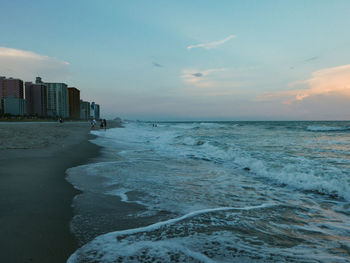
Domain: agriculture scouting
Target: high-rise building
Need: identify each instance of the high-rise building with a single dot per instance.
(57, 99)
(84, 110)
(11, 87)
(74, 103)
(1, 106)
(14, 106)
(97, 111)
(94, 111)
(2, 85)
(11, 92)
(36, 97)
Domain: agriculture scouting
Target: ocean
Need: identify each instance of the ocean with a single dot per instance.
(215, 192)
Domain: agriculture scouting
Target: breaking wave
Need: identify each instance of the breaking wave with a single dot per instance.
(326, 128)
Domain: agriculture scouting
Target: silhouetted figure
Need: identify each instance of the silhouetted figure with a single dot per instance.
(105, 124)
(93, 123)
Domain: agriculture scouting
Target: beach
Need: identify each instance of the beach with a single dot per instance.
(178, 192)
(35, 198)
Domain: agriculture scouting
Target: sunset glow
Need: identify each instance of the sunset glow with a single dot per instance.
(163, 60)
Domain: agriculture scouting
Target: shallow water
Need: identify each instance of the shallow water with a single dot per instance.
(220, 192)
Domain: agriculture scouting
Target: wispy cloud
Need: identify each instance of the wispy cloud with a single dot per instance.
(213, 82)
(213, 44)
(157, 65)
(27, 64)
(326, 82)
(196, 76)
(24, 54)
(311, 59)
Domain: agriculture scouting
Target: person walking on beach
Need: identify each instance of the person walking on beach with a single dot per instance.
(101, 124)
(105, 124)
(93, 123)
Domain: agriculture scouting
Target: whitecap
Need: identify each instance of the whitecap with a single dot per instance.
(327, 128)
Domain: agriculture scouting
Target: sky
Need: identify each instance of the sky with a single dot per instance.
(187, 59)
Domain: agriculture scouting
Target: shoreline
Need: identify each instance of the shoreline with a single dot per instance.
(35, 198)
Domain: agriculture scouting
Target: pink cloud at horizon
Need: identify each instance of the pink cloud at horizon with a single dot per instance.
(327, 82)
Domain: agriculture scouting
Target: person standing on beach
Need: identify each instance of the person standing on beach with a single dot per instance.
(93, 123)
(105, 124)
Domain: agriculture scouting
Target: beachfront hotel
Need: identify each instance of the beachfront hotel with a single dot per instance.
(14, 106)
(97, 111)
(36, 97)
(84, 110)
(10, 86)
(94, 111)
(57, 98)
(74, 103)
(12, 96)
(44, 99)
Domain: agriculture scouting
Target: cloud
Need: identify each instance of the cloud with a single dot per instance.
(326, 82)
(305, 61)
(213, 44)
(311, 59)
(157, 65)
(27, 65)
(198, 74)
(214, 82)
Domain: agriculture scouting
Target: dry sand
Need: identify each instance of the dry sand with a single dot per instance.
(35, 199)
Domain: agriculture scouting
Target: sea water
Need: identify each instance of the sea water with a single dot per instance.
(220, 192)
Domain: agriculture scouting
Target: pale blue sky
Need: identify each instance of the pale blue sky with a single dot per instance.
(250, 59)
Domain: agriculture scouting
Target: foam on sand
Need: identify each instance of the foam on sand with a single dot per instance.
(116, 245)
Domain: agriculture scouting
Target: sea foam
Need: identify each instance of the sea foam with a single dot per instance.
(327, 128)
(112, 246)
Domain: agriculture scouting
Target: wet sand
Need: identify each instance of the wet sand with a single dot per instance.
(35, 198)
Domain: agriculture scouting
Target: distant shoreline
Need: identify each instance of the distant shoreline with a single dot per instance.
(22, 119)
